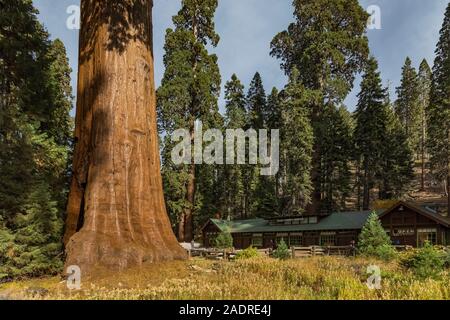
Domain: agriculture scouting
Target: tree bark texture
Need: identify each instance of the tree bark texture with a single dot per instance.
(116, 212)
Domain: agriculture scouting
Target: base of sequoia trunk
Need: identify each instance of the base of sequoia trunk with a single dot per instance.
(90, 250)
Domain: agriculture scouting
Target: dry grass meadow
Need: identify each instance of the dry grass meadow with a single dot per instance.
(323, 278)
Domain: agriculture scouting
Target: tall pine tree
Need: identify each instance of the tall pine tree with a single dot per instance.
(407, 105)
(327, 42)
(439, 115)
(425, 78)
(256, 105)
(397, 163)
(370, 130)
(235, 118)
(336, 135)
(384, 155)
(269, 187)
(296, 146)
(35, 141)
(189, 92)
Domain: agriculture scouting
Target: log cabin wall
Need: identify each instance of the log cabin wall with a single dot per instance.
(309, 238)
(209, 232)
(407, 226)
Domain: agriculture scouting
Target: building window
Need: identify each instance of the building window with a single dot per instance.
(282, 236)
(312, 220)
(304, 221)
(328, 239)
(296, 239)
(257, 240)
(426, 235)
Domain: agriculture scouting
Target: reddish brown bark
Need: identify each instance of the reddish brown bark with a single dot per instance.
(448, 193)
(422, 151)
(116, 211)
(316, 195)
(188, 212)
(186, 223)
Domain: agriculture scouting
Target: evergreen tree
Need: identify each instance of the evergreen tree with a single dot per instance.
(256, 103)
(189, 92)
(407, 105)
(439, 115)
(35, 134)
(282, 251)
(327, 42)
(425, 77)
(236, 113)
(273, 114)
(267, 191)
(36, 243)
(296, 146)
(254, 184)
(59, 126)
(384, 154)
(235, 118)
(224, 240)
(397, 164)
(373, 240)
(23, 47)
(371, 128)
(336, 136)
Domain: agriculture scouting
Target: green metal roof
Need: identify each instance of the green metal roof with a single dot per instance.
(335, 221)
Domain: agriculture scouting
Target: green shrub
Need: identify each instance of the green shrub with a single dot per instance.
(33, 248)
(426, 262)
(224, 240)
(447, 258)
(282, 251)
(374, 241)
(386, 252)
(248, 253)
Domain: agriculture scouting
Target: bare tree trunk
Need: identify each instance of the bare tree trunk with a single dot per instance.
(316, 195)
(422, 178)
(366, 189)
(448, 193)
(116, 213)
(316, 171)
(358, 177)
(181, 225)
(448, 172)
(188, 213)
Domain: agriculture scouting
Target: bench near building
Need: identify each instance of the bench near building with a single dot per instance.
(406, 223)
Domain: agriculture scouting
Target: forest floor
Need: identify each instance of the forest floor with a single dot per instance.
(324, 278)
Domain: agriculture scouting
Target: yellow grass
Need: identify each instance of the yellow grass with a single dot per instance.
(259, 278)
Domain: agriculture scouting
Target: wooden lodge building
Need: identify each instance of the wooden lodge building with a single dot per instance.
(405, 222)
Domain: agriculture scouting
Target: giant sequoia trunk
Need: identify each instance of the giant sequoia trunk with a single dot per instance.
(116, 212)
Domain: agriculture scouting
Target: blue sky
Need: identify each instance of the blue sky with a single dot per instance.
(246, 27)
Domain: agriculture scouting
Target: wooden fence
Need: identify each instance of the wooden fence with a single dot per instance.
(403, 248)
(218, 254)
(296, 252)
(211, 253)
(305, 252)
